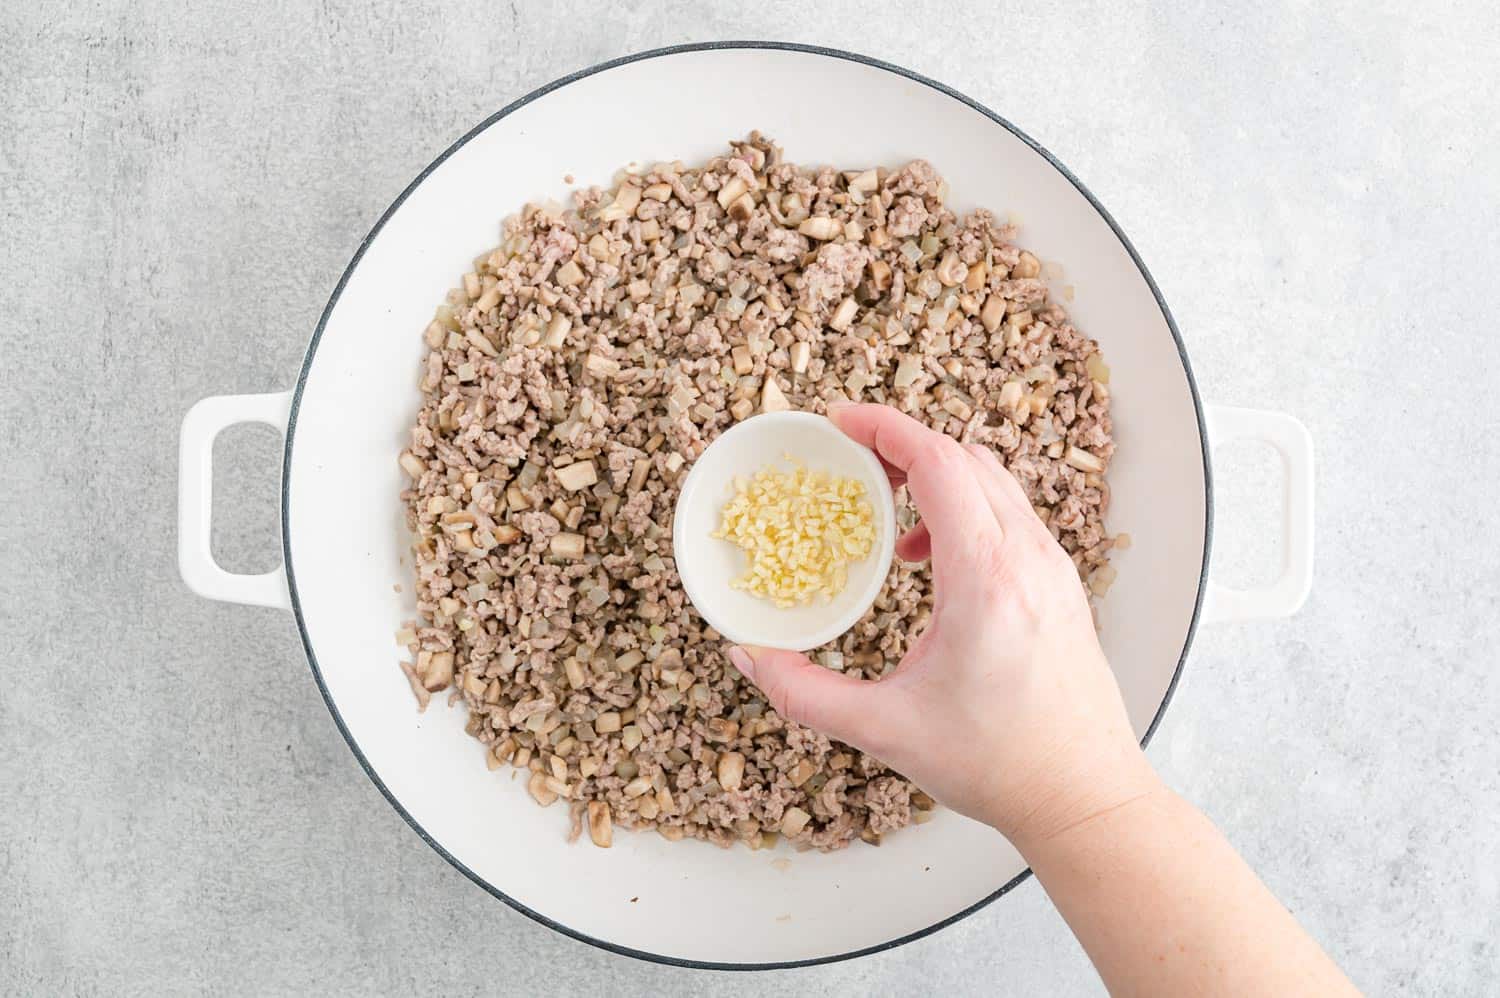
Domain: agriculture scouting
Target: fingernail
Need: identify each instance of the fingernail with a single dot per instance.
(836, 406)
(741, 660)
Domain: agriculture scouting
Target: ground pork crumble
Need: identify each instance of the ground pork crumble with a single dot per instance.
(585, 363)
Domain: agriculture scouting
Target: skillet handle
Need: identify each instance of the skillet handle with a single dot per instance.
(1286, 594)
(195, 481)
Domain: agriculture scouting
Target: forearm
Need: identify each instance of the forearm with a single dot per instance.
(1164, 906)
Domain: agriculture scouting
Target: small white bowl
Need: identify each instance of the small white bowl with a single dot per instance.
(707, 565)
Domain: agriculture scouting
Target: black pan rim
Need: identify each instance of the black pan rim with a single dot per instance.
(312, 349)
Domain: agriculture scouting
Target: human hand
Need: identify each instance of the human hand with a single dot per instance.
(1005, 709)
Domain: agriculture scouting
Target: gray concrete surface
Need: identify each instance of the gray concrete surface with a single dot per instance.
(1314, 186)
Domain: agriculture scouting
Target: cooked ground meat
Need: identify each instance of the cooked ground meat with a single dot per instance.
(585, 364)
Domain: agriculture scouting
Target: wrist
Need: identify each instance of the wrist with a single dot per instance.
(1069, 798)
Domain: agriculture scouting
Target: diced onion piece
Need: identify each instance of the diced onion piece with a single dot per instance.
(843, 315)
(1096, 368)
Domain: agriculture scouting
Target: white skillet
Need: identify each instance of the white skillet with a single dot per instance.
(345, 548)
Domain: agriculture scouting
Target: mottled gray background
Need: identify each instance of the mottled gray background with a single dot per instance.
(1314, 186)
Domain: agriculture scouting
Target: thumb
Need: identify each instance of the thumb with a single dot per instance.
(839, 706)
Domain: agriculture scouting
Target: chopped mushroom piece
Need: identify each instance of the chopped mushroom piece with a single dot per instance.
(722, 729)
(907, 371)
(601, 367)
(566, 545)
(480, 342)
(801, 772)
(957, 407)
(731, 191)
(418, 690)
(843, 315)
(438, 672)
(489, 299)
(772, 398)
(412, 465)
(624, 204)
(742, 208)
(821, 227)
(540, 791)
(1083, 460)
(731, 770)
(638, 473)
(600, 826)
(974, 280)
(1011, 395)
(579, 475)
(569, 274)
(793, 821)
(557, 330)
(952, 271)
(799, 356)
(993, 313)
(864, 182)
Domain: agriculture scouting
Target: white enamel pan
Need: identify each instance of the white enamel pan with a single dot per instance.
(344, 544)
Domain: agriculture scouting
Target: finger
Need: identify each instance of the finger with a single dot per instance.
(941, 477)
(1009, 488)
(999, 505)
(895, 474)
(840, 706)
(1009, 503)
(1012, 509)
(915, 544)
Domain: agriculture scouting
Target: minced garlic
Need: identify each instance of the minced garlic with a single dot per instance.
(800, 530)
